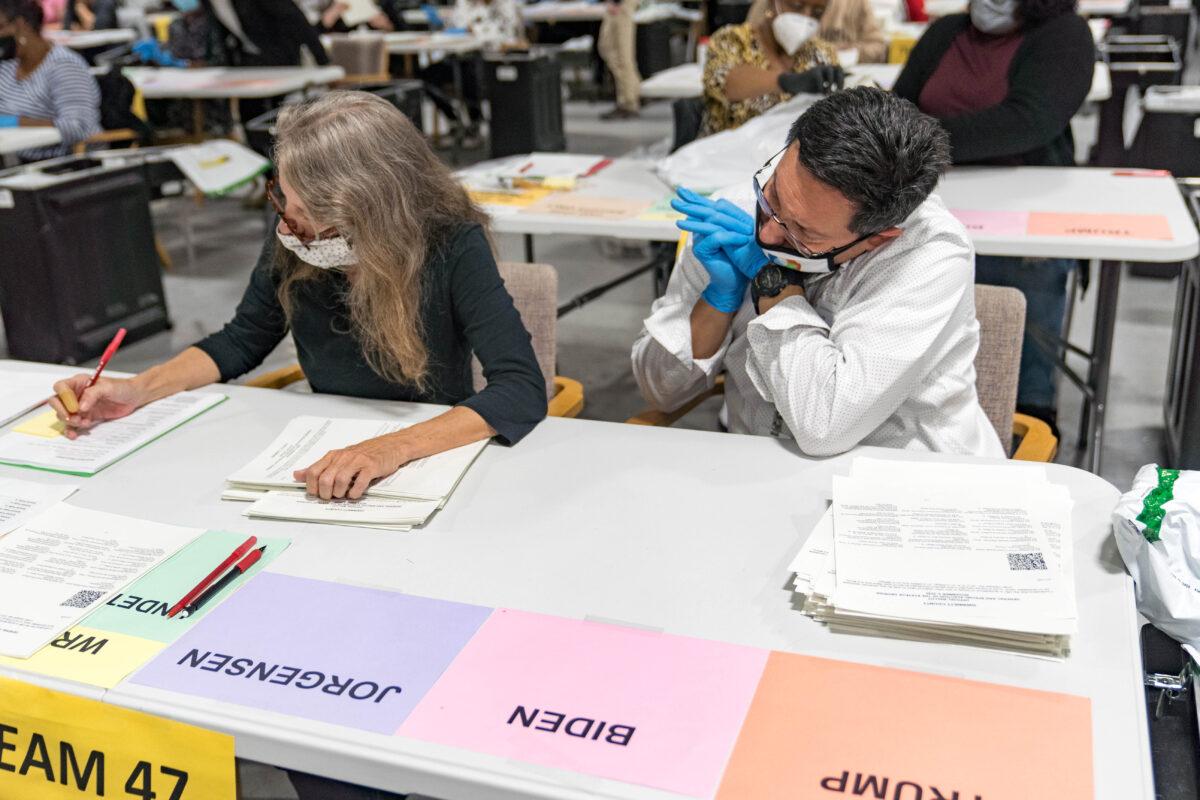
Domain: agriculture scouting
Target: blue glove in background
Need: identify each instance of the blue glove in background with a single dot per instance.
(707, 217)
(9, 120)
(150, 51)
(431, 14)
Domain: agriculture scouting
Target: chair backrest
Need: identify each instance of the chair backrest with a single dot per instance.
(688, 114)
(534, 290)
(1001, 314)
(362, 55)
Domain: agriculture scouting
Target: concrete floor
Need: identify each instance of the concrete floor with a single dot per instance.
(594, 342)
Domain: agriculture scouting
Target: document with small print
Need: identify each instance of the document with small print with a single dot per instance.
(22, 500)
(68, 561)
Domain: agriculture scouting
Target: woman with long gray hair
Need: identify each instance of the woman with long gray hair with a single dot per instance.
(380, 266)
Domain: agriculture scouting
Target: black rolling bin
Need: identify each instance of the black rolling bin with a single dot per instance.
(525, 93)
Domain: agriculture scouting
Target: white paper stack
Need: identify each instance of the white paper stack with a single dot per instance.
(968, 554)
(21, 392)
(403, 500)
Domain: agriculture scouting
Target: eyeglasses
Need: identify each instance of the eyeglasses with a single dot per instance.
(278, 201)
(816, 10)
(765, 207)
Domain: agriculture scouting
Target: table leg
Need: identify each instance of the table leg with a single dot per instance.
(456, 68)
(529, 248)
(198, 120)
(1100, 368)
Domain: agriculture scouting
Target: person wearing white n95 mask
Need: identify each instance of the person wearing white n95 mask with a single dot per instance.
(832, 289)
(776, 53)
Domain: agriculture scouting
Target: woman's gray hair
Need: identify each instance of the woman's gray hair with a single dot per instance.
(360, 166)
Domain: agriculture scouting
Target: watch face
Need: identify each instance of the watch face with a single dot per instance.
(770, 280)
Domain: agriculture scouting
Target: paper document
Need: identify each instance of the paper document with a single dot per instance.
(21, 392)
(306, 439)
(21, 500)
(218, 166)
(558, 170)
(108, 442)
(68, 561)
(384, 512)
(358, 12)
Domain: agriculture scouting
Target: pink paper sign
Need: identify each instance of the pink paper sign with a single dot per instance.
(1114, 226)
(631, 705)
(994, 223)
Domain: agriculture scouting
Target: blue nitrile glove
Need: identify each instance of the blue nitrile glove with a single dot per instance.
(726, 285)
(707, 217)
(456, 31)
(9, 120)
(431, 15)
(150, 51)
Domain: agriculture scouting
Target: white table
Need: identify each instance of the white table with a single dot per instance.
(14, 140)
(687, 80)
(86, 40)
(1104, 8)
(563, 11)
(411, 43)
(220, 83)
(692, 546)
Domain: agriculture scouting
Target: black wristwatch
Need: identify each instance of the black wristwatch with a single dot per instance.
(771, 280)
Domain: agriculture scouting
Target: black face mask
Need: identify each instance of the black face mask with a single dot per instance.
(8, 47)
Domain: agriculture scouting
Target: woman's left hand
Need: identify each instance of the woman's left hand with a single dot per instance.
(347, 473)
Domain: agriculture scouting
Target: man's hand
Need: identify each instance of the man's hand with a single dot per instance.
(821, 79)
(706, 217)
(765, 304)
(347, 473)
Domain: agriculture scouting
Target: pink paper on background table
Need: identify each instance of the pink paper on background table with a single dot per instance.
(995, 223)
(632, 705)
(1117, 226)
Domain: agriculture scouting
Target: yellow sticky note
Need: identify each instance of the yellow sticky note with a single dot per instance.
(47, 425)
(87, 655)
(59, 747)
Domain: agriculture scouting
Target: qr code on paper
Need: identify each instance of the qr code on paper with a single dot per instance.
(1018, 561)
(82, 598)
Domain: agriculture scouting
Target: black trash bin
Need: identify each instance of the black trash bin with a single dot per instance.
(1133, 61)
(78, 259)
(1181, 406)
(525, 94)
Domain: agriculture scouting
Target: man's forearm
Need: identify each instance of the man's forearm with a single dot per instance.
(709, 329)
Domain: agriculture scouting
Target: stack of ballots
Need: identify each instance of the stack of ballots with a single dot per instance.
(956, 553)
(401, 501)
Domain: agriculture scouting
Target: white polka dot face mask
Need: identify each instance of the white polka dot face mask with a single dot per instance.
(332, 253)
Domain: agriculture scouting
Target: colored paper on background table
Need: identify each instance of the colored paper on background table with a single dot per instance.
(820, 729)
(1114, 226)
(351, 656)
(90, 656)
(85, 743)
(994, 223)
(46, 424)
(621, 703)
(133, 627)
(661, 211)
(590, 207)
(517, 199)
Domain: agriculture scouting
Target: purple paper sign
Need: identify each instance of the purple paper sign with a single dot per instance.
(357, 657)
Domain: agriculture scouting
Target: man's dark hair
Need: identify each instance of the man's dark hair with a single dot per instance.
(878, 150)
(28, 10)
(1035, 12)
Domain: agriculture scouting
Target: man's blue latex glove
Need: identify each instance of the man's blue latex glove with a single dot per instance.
(708, 217)
(726, 284)
(150, 51)
(9, 120)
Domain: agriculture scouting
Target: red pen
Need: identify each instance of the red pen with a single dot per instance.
(108, 353)
(599, 165)
(212, 576)
(238, 571)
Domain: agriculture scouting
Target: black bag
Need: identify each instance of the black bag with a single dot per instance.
(116, 105)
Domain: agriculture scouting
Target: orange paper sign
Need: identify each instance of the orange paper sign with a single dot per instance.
(820, 730)
(1116, 226)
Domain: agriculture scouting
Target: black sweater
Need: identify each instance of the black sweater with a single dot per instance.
(465, 310)
(1048, 81)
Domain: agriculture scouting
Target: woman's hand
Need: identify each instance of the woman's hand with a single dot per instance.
(332, 14)
(347, 473)
(110, 398)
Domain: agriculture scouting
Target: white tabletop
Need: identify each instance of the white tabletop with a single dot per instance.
(417, 43)
(682, 531)
(14, 140)
(83, 40)
(1104, 8)
(687, 80)
(563, 11)
(216, 83)
(1172, 100)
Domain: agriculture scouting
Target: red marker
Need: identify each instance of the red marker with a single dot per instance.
(599, 165)
(212, 576)
(108, 353)
(231, 576)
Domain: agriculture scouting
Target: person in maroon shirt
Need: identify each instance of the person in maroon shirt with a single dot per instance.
(1005, 80)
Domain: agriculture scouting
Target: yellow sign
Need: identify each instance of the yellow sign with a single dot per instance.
(54, 746)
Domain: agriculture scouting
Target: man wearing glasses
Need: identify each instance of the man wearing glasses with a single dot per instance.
(834, 290)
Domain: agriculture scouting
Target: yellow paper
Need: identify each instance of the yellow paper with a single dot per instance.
(61, 747)
(46, 425)
(87, 655)
(520, 198)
